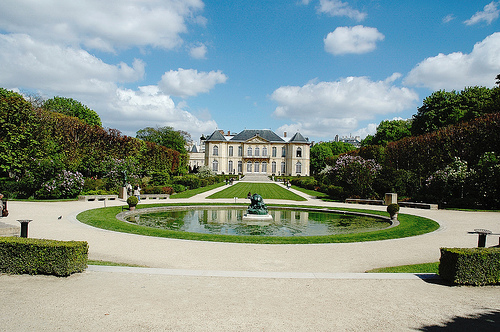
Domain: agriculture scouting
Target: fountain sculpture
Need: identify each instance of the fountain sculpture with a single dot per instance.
(257, 209)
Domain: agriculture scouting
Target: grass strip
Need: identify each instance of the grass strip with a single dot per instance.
(193, 192)
(413, 268)
(108, 263)
(310, 192)
(266, 190)
(409, 226)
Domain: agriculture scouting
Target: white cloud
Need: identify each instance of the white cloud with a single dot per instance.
(104, 25)
(33, 64)
(458, 70)
(357, 39)
(448, 18)
(198, 52)
(339, 8)
(190, 82)
(489, 14)
(325, 108)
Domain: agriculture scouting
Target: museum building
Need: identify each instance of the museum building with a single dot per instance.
(257, 152)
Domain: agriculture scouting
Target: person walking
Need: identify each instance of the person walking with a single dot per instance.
(137, 192)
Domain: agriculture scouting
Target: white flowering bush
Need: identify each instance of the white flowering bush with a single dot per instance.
(64, 185)
(449, 183)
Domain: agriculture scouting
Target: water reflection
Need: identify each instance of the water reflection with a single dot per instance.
(221, 220)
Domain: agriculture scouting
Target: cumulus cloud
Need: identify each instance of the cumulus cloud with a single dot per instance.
(324, 108)
(458, 70)
(358, 39)
(32, 64)
(103, 25)
(190, 82)
(198, 52)
(488, 14)
(339, 8)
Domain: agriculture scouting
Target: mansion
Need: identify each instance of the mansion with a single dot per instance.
(254, 152)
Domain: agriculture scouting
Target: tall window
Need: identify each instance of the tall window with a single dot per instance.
(283, 152)
(257, 152)
(299, 152)
(240, 167)
(230, 166)
(240, 151)
(256, 167)
(215, 151)
(215, 166)
(298, 167)
(249, 167)
(230, 151)
(283, 169)
(249, 151)
(273, 167)
(274, 151)
(264, 167)
(264, 151)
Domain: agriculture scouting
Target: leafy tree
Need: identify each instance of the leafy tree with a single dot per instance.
(319, 154)
(165, 136)
(389, 131)
(74, 108)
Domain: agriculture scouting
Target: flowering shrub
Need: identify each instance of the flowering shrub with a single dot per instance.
(64, 185)
(115, 170)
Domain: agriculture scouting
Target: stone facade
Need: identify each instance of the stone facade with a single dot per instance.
(257, 152)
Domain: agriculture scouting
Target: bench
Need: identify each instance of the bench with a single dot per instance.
(481, 242)
(365, 201)
(154, 196)
(91, 198)
(419, 205)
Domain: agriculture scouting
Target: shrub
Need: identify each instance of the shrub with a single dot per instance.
(335, 192)
(132, 201)
(64, 185)
(178, 188)
(38, 256)
(470, 266)
(190, 181)
(392, 209)
(159, 178)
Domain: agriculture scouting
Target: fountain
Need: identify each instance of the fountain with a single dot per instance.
(257, 211)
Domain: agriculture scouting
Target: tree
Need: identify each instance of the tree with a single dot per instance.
(165, 136)
(319, 154)
(74, 108)
(389, 131)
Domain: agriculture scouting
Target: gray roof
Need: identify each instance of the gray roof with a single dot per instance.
(297, 138)
(266, 134)
(216, 136)
(194, 149)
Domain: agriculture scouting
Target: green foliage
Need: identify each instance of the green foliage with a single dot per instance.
(392, 209)
(159, 178)
(323, 154)
(71, 107)
(38, 256)
(165, 136)
(486, 179)
(178, 188)
(64, 185)
(132, 201)
(470, 266)
(389, 131)
(413, 268)
(189, 181)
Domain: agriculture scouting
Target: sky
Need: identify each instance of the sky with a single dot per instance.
(319, 67)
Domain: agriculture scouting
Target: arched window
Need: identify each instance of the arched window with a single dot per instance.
(274, 151)
(240, 167)
(264, 167)
(230, 166)
(298, 167)
(215, 166)
(299, 153)
(273, 167)
(240, 151)
(283, 168)
(230, 151)
(215, 151)
(249, 152)
(249, 167)
(256, 167)
(264, 152)
(257, 152)
(283, 152)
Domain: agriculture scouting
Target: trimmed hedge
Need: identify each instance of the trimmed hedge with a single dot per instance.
(39, 256)
(470, 266)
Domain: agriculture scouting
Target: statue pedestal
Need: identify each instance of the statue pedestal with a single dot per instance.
(257, 217)
(123, 193)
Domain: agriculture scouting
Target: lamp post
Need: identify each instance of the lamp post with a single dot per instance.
(24, 227)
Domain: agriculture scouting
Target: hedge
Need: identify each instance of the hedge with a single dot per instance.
(39, 256)
(470, 266)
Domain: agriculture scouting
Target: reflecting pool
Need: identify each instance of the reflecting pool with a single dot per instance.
(229, 221)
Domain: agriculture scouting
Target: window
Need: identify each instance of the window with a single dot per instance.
(249, 167)
(230, 151)
(273, 167)
(240, 167)
(257, 152)
(264, 152)
(264, 167)
(283, 152)
(256, 167)
(283, 169)
(230, 166)
(215, 151)
(274, 151)
(215, 166)
(249, 152)
(298, 167)
(299, 152)
(240, 151)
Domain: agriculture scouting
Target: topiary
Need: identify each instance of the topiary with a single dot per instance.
(132, 201)
(393, 209)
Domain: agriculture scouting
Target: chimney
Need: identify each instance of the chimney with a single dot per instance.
(284, 134)
(228, 133)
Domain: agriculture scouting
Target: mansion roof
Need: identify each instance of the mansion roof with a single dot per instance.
(247, 134)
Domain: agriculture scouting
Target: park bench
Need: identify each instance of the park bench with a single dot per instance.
(91, 198)
(419, 205)
(154, 196)
(481, 242)
(365, 201)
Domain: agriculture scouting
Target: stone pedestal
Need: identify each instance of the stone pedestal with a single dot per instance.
(391, 198)
(123, 193)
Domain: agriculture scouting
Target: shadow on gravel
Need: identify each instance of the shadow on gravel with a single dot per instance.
(487, 321)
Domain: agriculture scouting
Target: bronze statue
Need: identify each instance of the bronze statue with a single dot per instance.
(257, 205)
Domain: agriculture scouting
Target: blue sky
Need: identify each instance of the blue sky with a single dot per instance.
(320, 67)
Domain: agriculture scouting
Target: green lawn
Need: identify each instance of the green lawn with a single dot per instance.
(414, 268)
(191, 193)
(266, 190)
